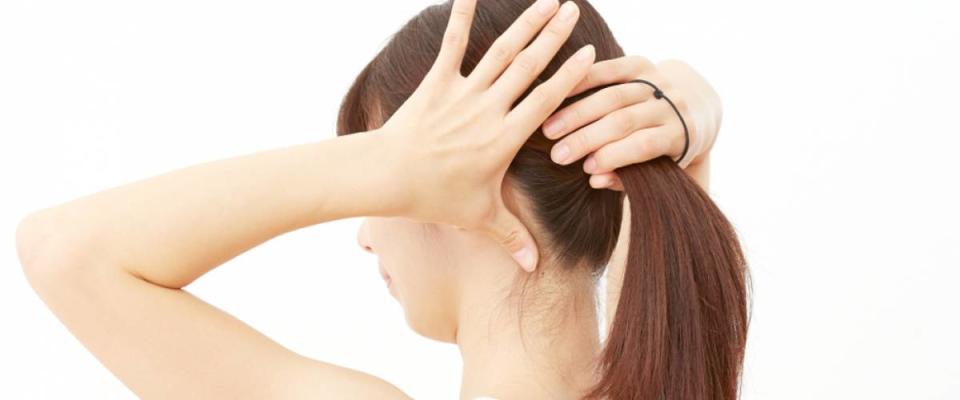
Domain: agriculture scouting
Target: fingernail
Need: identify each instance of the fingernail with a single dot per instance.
(586, 53)
(554, 127)
(525, 258)
(590, 165)
(560, 154)
(545, 6)
(567, 11)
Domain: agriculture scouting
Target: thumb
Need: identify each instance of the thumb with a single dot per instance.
(510, 232)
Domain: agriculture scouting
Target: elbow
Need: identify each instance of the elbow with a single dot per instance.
(44, 253)
(29, 239)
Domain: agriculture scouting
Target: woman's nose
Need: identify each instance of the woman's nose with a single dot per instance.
(362, 237)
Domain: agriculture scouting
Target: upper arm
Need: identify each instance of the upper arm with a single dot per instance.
(167, 343)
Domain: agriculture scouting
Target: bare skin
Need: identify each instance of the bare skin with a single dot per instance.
(112, 266)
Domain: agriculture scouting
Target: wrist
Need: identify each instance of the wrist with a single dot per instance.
(385, 171)
(704, 110)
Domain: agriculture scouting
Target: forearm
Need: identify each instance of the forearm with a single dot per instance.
(172, 228)
(700, 172)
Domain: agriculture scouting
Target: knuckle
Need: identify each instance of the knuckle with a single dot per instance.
(653, 145)
(639, 115)
(590, 80)
(571, 70)
(539, 98)
(555, 29)
(501, 53)
(434, 75)
(461, 11)
(638, 64)
(649, 93)
(453, 38)
(581, 141)
(569, 74)
(621, 95)
(622, 121)
(489, 102)
(575, 115)
(530, 23)
(602, 159)
(511, 125)
(527, 63)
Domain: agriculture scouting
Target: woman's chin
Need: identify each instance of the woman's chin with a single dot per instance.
(390, 288)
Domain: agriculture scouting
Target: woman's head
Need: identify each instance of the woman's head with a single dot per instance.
(680, 324)
(575, 226)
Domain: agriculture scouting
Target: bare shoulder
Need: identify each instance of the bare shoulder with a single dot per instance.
(320, 380)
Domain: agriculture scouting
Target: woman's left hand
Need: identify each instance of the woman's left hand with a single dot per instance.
(625, 124)
(452, 141)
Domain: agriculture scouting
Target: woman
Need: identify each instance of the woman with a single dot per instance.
(424, 150)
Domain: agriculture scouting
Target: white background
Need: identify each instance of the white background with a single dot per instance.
(836, 162)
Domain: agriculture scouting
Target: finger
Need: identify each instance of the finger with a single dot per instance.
(617, 70)
(531, 62)
(456, 37)
(510, 232)
(615, 126)
(594, 107)
(608, 180)
(511, 42)
(544, 100)
(634, 149)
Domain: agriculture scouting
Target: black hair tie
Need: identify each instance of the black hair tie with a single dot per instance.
(659, 95)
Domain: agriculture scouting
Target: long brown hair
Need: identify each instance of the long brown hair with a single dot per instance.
(681, 322)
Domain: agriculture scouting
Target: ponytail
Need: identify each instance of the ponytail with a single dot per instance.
(681, 321)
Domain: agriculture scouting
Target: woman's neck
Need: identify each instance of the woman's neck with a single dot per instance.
(553, 358)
